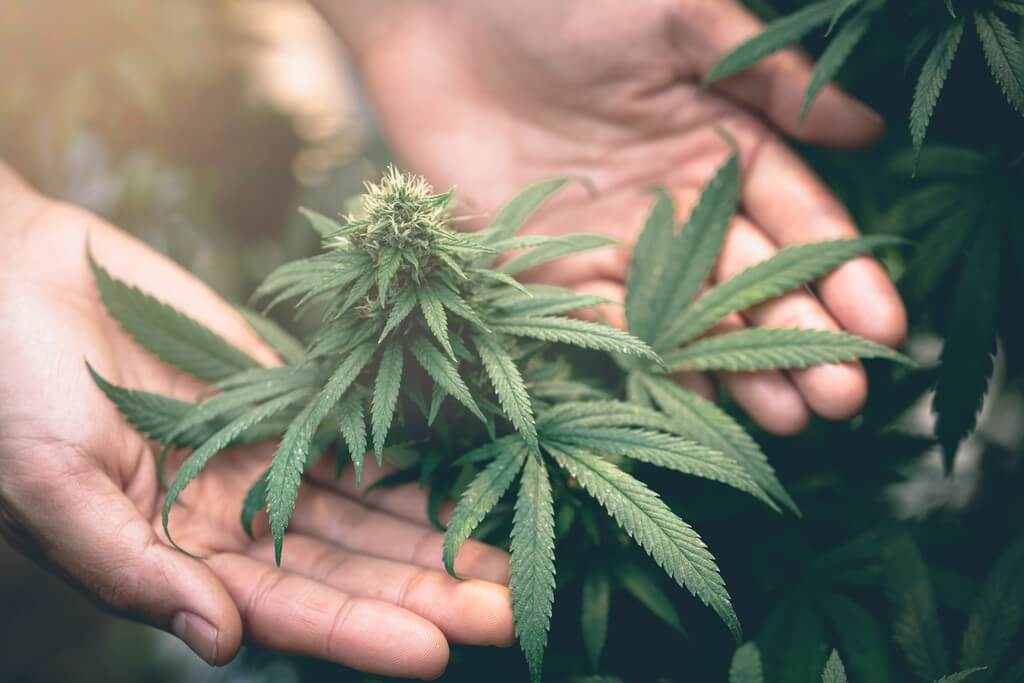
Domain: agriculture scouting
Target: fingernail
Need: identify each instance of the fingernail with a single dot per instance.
(199, 634)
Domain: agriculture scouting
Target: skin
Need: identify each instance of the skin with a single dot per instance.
(480, 93)
(475, 91)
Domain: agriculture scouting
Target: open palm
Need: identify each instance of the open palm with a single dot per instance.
(492, 95)
(362, 585)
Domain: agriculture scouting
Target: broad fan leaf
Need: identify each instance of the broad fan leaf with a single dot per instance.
(532, 573)
(746, 665)
(778, 34)
(834, 671)
(766, 348)
(580, 333)
(835, 55)
(480, 496)
(509, 386)
(170, 335)
(670, 541)
(1005, 56)
(786, 270)
(929, 83)
(385, 394)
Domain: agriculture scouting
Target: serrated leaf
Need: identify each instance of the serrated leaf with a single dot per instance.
(541, 300)
(1005, 56)
(200, 457)
(860, 638)
(352, 425)
(793, 642)
(937, 253)
(293, 452)
(154, 415)
(706, 423)
(457, 305)
(532, 574)
(388, 263)
(668, 268)
(786, 270)
(970, 343)
(444, 373)
(997, 614)
(385, 393)
(834, 671)
(594, 614)
(645, 590)
(1015, 6)
(287, 347)
(552, 249)
(746, 665)
(436, 318)
(324, 226)
(670, 541)
(480, 496)
(579, 333)
(401, 307)
(835, 55)
(167, 333)
(916, 624)
(255, 501)
(514, 214)
(755, 349)
(961, 676)
(778, 34)
(509, 386)
(929, 83)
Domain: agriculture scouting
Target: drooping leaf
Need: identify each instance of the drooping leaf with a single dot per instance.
(594, 615)
(385, 393)
(532, 574)
(170, 335)
(481, 495)
(997, 614)
(836, 54)
(509, 386)
(929, 83)
(444, 373)
(778, 34)
(916, 624)
(765, 348)
(1004, 54)
(834, 671)
(580, 333)
(970, 342)
(554, 248)
(670, 541)
(746, 665)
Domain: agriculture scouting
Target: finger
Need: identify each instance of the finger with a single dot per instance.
(833, 391)
(768, 396)
(114, 553)
(776, 85)
(345, 522)
(784, 197)
(472, 612)
(291, 613)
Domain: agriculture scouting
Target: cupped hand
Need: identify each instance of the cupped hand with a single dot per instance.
(362, 582)
(492, 95)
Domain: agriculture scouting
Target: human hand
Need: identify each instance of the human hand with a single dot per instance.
(363, 584)
(493, 95)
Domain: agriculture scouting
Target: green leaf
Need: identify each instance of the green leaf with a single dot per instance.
(444, 373)
(154, 415)
(579, 333)
(970, 343)
(324, 226)
(514, 214)
(385, 393)
(509, 386)
(929, 83)
(835, 55)
(865, 646)
(199, 458)
(1005, 56)
(255, 501)
(352, 425)
(916, 624)
(668, 268)
(400, 310)
(541, 300)
(288, 348)
(532, 575)
(766, 348)
(746, 665)
(834, 671)
(706, 423)
(786, 270)
(479, 497)
(645, 590)
(664, 450)
(961, 676)
(919, 208)
(842, 7)
(436, 318)
(1015, 6)
(778, 34)
(670, 541)
(294, 450)
(387, 267)
(457, 305)
(170, 335)
(597, 594)
(938, 252)
(554, 248)
(997, 614)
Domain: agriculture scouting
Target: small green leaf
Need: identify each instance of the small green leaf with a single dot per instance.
(509, 386)
(581, 333)
(594, 614)
(835, 55)
(514, 214)
(554, 248)
(385, 393)
(444, 373)
(918, 630)
(436, 318)
(1005, 56)
(286, 345)
(842, 7)
(542, 300)
(834, 671)
(400, 310)
(929, 83)
(746, 665)
(387, 267)
(324, 226)
(352, 425)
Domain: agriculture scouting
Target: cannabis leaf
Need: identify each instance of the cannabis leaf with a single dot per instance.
(597, 590)
(509, 386)
(385, 394)
(1005, 56)
(918, 630)
(644, 589)
(168, 334)
(997, 614)
(930, 82)
(834, 671)
(514, 214)
(746, 665)
(581, 333)
(288, 348)
(837, 52)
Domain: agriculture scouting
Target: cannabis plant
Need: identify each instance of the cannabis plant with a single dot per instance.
(427, 343)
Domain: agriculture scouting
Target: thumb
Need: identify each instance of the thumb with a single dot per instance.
(776, 86)
(95, 534)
